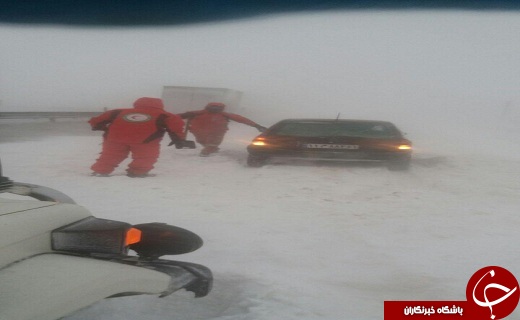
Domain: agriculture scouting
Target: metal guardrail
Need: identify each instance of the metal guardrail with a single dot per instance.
(47, 115)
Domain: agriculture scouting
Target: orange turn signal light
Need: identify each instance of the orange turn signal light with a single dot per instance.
(133, 235)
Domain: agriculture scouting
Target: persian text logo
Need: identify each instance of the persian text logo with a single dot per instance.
(494, 288)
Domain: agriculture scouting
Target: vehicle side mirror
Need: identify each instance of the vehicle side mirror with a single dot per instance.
(158, 239)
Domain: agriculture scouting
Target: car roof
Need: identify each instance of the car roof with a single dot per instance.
(315, 120)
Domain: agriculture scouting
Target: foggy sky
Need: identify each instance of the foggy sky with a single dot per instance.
(390, 63)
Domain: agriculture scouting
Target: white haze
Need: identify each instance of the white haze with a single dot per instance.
(431, 72)
(390, 64)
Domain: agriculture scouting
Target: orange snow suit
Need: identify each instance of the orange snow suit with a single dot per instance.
(138, 131)
(210, 125)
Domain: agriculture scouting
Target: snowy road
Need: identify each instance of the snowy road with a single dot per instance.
(294, 241)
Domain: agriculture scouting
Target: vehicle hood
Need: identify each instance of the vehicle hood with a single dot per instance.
(26, 226)
(8, 206)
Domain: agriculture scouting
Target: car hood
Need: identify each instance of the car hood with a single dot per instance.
(8, 206)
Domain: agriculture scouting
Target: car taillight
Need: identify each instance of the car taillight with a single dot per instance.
(93, 235)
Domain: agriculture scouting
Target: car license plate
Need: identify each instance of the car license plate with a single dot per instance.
(330, 146)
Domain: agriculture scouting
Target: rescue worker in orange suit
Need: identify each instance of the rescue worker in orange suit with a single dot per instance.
(210, 125)
(139, 131)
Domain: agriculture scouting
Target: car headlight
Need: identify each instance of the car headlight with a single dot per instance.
(101, 236)
(259, 141)
(404, 147)
(93, 235)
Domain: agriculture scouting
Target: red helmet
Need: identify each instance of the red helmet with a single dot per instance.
(147, 102)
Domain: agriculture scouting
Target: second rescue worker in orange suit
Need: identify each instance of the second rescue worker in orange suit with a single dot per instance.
(138, 131)
(209, 126)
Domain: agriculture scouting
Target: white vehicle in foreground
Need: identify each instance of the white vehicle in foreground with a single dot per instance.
(56, 258)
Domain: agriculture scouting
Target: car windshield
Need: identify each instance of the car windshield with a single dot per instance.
(337, 129)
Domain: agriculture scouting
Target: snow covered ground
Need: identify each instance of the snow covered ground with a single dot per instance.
(299, 241)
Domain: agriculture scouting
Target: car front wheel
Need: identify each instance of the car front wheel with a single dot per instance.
(256, 161)
(398, 165)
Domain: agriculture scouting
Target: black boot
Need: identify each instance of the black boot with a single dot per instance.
(142, 175)
(97, 174)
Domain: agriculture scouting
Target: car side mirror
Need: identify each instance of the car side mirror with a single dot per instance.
(159, 239)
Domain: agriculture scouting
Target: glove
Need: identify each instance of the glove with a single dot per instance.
(261, 128)
(101, 127)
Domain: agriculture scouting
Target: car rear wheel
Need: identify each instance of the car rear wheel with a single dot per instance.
(256, 161)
